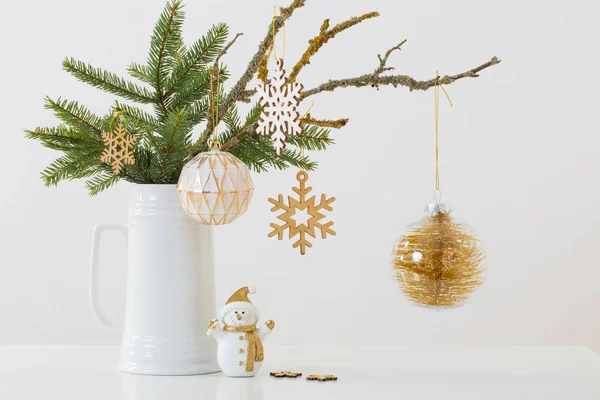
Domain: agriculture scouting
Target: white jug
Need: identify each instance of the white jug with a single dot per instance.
(170, 287)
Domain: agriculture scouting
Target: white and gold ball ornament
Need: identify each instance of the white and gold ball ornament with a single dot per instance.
(215, 187)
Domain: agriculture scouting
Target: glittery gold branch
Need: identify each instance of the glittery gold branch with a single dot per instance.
(325, 34)
(325, 123)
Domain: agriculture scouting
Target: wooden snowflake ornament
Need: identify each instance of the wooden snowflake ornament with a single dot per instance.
(321, 378)
(280, 117)
(119, 148)
(302, 216)
(286, 374)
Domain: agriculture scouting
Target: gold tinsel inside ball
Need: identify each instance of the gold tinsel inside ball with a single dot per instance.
(438, 262)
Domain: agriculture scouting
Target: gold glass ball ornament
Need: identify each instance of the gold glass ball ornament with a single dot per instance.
(438, 262)
(215, 187)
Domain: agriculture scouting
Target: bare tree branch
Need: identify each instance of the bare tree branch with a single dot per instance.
(396, 80)
(224, 49)
(383, 61)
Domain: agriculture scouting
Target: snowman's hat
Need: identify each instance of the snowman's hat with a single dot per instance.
(239, 299)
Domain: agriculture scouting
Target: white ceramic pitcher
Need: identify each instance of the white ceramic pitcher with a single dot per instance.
(170, 287)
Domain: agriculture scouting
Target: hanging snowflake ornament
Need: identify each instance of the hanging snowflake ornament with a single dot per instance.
(302, 216)
(119, 148)
(280, 117)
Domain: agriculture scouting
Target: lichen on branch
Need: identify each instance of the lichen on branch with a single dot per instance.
(325, 34)
(325, 123)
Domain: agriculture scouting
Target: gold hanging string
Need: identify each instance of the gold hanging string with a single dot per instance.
(436, 96)
(116, 116)
(309, 108)
(120, 114)
(274, 36)
(215, 143)
(305, 114)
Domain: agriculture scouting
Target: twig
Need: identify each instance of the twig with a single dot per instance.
(383, 61)
(396, 80)
(323, 37)
(224, 49)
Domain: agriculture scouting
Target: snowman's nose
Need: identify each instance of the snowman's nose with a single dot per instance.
(238, 316)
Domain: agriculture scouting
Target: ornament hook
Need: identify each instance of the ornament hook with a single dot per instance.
(215, 144)
(437, 196)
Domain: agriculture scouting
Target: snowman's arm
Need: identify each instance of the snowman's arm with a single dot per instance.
(268, 327)
(215, 329)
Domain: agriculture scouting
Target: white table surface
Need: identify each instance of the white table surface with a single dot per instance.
(443, 373)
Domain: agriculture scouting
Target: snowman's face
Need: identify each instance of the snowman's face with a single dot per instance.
(240, 316)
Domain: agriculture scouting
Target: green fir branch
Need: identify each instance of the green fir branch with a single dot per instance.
(140, 72)
(69, 167)
(61, 138)
(137, 116)
(101, 182)
(312, 138)
(107, 81)
(199, 55)
(175, 131)
(163, 44)
(76, 116)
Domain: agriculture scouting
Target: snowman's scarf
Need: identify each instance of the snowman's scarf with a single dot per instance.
(255, 347)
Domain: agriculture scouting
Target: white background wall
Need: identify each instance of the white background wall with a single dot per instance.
(520, 162)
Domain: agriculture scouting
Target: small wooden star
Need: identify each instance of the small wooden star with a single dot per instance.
(286, 374)
(321, 378)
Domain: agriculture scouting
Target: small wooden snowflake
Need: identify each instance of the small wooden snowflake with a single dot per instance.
(286, 374)
(321, 378)
(119, 148)
(280, 117)
(295, 209)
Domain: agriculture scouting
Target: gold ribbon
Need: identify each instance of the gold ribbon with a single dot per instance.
(256, 352)
(436, 96)
(273, 26)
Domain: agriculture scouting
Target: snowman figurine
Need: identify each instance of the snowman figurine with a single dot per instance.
(240, 350)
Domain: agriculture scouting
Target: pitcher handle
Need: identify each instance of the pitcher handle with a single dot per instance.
(98, 314)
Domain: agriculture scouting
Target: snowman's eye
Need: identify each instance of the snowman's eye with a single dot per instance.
(243, 312)
(236, 312)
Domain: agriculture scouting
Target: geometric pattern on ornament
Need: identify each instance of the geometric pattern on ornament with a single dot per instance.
(215, 188)
(309, 206)
(280, 117)
(118, 149)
